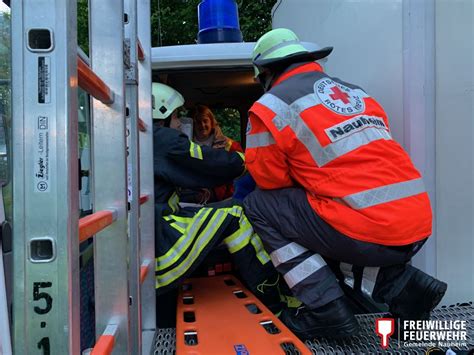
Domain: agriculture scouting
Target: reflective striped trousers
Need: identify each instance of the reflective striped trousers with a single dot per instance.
(312, 256)
(187, 236)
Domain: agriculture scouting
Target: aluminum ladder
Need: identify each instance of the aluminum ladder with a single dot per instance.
(46, 73)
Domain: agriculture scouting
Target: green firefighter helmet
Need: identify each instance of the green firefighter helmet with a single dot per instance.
(165, 101)
(282, 46)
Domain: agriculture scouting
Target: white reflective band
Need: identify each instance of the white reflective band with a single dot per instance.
(368, 280)
(286, 253)
(346, 270)
(172, 98)
(304, 269)
(352, 142)
(288, 115)
(304, 103)
(259, 140)
(275, 47)
(385, 194)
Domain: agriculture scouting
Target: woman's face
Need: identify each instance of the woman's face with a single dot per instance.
(203, 127)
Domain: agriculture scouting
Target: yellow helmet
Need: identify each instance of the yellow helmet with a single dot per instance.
(282, 46)
(165, 100)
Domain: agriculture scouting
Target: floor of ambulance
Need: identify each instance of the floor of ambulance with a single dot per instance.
(366, 342)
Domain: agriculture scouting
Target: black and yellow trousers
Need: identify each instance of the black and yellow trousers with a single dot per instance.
(185, 238)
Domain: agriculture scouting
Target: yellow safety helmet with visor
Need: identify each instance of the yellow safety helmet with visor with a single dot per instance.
(282, 46)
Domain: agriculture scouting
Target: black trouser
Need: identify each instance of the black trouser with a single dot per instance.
(309, 253)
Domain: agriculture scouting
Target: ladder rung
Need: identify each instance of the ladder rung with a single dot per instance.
(142, 125)
(140, 52)
(94, 223)
(144, 271)
(106, 342)
(90, 82)
(144, 198)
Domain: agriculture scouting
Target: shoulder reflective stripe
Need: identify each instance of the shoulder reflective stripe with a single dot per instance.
(203, 239)
(195, 151)
(304, 269)
(385, 194)
(277, 46)
(277, 105)
(286, 253)
(288, 115)
(262, 255)
(369, 277)
(305, 102)
(183, 243)
(259, 140)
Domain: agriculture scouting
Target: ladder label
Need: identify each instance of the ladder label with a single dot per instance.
(44, 80)
(41, 168)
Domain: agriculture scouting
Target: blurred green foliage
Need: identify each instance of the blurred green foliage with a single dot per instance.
(229, 121)
(5, 55)
(83, 25)
(5, 102)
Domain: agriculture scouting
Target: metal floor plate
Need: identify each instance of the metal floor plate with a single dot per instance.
(367, 342)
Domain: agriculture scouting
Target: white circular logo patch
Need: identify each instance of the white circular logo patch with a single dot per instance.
(339, 98)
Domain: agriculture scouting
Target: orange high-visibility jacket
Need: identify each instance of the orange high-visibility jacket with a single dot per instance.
(332, 139)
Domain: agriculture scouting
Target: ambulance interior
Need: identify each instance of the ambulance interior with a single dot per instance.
(216, 88)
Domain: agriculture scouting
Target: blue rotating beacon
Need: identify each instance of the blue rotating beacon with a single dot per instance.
(218, 21)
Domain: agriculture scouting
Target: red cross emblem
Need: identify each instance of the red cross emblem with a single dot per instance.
(339, 95)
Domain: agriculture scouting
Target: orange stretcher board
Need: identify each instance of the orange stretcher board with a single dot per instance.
(218, 315)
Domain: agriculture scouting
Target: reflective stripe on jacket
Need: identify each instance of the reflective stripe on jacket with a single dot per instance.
(334, 140)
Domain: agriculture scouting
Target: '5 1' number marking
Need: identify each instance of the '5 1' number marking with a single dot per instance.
(38, 296)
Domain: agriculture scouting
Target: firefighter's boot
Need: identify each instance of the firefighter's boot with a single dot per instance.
(418, 298)
(333, 320)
